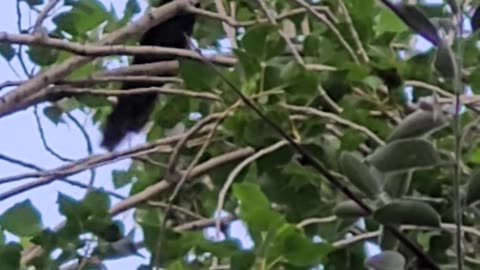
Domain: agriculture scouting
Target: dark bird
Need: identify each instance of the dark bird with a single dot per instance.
(132, 112)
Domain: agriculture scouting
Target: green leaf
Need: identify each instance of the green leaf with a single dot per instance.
(403, 155)
(97, 202)
(349, 209)
(255, 40)
(473, 188)
(7, 51)
(84, 16)
(196, 75)
(22, 219)
(359, 174)
(297, 249)
(397, 184)
(121, 178)
(255, 208)
(10, 255)
(387, 21)
(407, 212)
(54, 113)
(71, 208)
(445, 62)
(416, 20)
(243, 260)
(418, 124)
(387, 260)
(42, 56)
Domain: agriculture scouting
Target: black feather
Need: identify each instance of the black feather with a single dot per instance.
(131, 113)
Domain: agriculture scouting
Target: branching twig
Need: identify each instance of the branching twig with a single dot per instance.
(273, 21)
(336, 119)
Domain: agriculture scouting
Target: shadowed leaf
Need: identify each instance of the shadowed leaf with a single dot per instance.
(406, 212)
(473, 189)
(349, 209)
(445, 62)
(403, 155)
(359, 174)
(417, 124)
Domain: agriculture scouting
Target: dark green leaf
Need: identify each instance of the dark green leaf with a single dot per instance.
(407, 212)
(7, 51)
(10, 255)
(445, 62)
(402, 155)
(196, 76)
(349, 209)
(473, 188)
(121, 178)
(359, 174)
(54, 113)
(22, 219)
(42, 56)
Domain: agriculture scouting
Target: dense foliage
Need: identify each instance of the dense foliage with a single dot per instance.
(391, 168)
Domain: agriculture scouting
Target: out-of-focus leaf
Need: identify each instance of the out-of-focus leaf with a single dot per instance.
(7, 51)
(407, 212)
(359, 174)
(416, 20)
(349, 209)
(473, 188)
(403, 155)
(22, 219)
(417, 124)
(445, 62)
(387, 260)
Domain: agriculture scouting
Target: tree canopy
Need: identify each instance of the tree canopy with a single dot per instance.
(324, 125)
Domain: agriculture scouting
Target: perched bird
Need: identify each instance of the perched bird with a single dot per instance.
(132, 112)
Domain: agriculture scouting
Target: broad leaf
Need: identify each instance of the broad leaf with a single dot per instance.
(22, 219)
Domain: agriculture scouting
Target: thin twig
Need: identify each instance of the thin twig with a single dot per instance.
(44, 14)
(330, 26)
(231, 177)
(336, 119)
(44, 139)
(353, 32)
(273, 21)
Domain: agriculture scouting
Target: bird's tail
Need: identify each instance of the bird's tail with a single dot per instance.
(130, 114)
